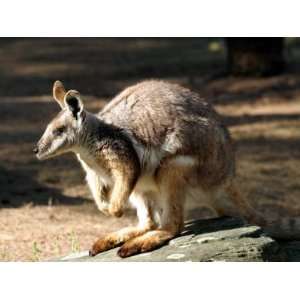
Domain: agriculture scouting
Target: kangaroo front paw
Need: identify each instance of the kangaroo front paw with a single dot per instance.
(115, 212)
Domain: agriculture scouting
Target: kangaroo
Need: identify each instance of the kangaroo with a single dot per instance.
(154, 146)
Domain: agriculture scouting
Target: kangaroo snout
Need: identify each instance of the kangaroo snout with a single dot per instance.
(35, 150)
(38, 150)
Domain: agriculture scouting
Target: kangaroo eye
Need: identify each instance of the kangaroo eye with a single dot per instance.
(59, 130)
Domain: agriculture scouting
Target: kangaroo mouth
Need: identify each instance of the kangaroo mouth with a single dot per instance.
(43, 151)
(40, 156)
(43, 155)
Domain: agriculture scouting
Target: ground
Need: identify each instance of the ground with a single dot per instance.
(44, 206)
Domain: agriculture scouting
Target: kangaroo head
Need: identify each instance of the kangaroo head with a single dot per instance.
(63, 132)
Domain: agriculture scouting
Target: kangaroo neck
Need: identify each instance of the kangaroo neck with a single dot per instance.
(94, 134)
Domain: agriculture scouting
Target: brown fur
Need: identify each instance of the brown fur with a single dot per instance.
(151, 126)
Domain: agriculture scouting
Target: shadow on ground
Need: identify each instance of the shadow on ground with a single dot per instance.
(19, 188)
(101, 68)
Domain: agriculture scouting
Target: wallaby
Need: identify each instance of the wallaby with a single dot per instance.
(153, 146)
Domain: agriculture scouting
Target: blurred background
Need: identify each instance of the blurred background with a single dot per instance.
(254, 84)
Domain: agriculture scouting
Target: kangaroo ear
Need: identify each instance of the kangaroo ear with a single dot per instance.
(73, 102)
(59, 93)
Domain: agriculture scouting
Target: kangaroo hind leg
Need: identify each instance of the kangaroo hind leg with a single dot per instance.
(169, 206)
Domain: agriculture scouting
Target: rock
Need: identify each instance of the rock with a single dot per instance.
(222, 239)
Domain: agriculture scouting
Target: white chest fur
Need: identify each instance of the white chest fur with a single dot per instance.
(92, 168)
(96, 179)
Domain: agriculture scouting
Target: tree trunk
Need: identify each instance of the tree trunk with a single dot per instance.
(255, 56)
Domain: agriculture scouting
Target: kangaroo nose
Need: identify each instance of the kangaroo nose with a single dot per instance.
(35, 150)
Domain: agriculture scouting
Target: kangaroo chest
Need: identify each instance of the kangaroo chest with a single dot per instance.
(92, 168)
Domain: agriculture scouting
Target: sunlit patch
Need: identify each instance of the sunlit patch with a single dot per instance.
(215, 47)
(184, 160)
(176, 256)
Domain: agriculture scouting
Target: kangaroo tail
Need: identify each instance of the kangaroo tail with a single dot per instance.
(281, 227)
(287, 228)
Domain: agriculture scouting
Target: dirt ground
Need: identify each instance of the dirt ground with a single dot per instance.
(44, 206)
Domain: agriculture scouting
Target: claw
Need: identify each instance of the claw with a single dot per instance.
(92, 253)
